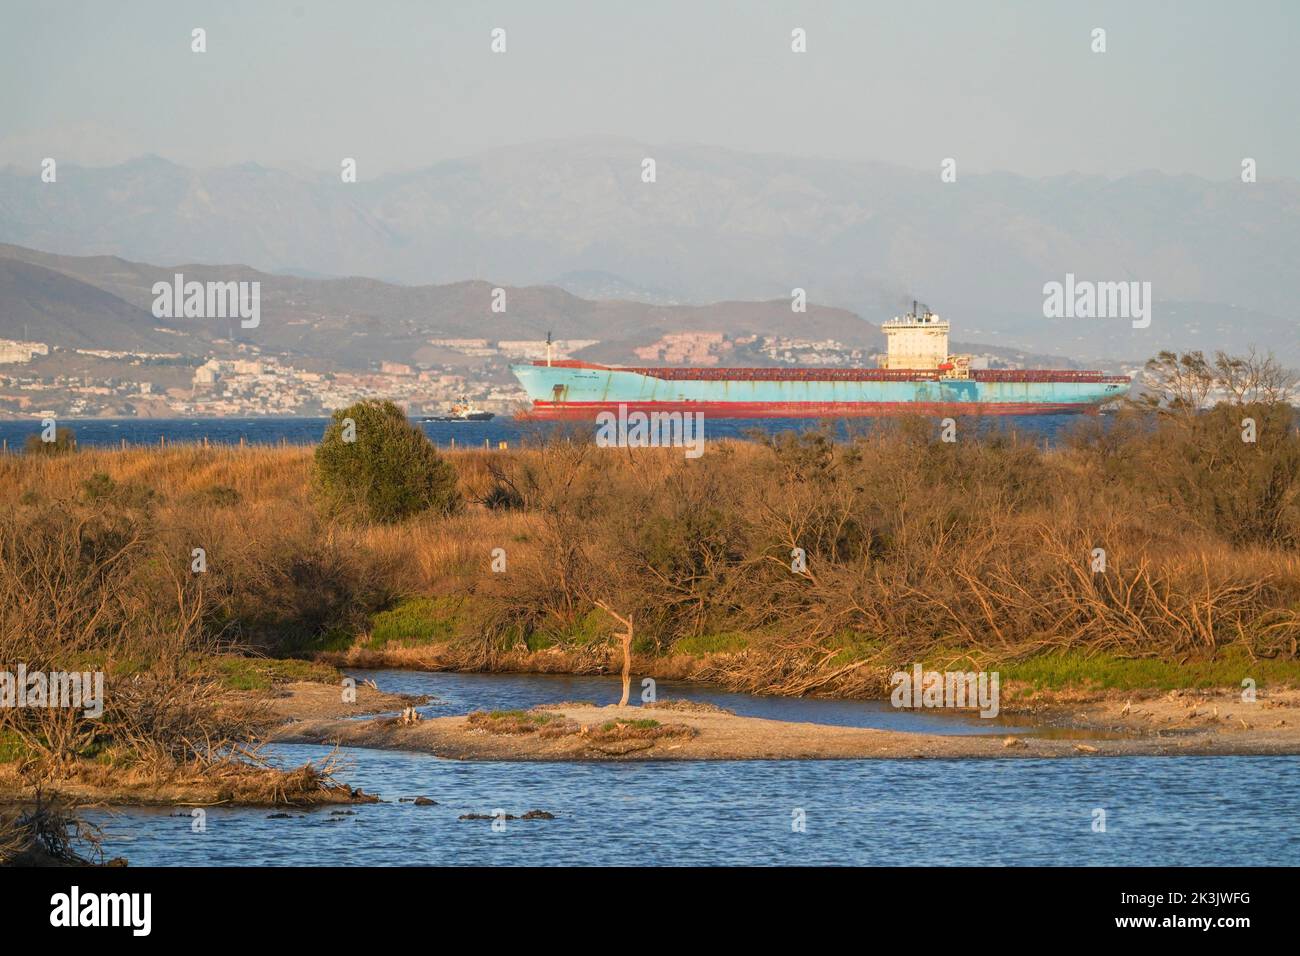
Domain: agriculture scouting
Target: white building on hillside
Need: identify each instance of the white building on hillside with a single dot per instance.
(13, 350)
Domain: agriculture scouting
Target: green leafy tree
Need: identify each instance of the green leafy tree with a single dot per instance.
(374, 464)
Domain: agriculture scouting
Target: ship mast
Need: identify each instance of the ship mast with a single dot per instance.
(548, 349)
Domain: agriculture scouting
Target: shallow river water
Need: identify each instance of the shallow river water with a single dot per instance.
(1158, 810)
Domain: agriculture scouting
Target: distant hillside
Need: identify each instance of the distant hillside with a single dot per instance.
(55, 308)
(104, 302)
(718, 225)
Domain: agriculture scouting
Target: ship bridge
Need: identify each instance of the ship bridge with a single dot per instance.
(918, 340)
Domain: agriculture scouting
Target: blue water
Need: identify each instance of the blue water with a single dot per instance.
(111, 432)
(461, 693)
(1159, 810)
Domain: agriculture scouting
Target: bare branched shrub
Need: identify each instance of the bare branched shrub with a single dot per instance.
(47, 833)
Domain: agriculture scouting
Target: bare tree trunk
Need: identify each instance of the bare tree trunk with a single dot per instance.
(627, 663)
(626, 638)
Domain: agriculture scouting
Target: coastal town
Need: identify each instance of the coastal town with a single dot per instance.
(238, 379)
(241, 381)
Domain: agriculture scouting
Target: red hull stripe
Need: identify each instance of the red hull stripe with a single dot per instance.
(586, 410)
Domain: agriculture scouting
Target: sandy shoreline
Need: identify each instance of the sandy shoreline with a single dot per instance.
(1178, 723)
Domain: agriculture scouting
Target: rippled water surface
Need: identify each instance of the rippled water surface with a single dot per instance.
(1159, 810)
(106, 432)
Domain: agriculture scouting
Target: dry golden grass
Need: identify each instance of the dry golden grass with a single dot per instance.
(912, 547)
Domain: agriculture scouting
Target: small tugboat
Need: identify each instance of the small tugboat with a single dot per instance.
(462, 411)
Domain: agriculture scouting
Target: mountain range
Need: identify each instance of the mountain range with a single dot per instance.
(574, 221)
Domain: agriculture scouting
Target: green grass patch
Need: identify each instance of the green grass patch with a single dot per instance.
(335, 639)
(591, 628)
(853, 647)
(260, 673)
(640, 723)
(517, 722)
(1073, 669)
(417, 621)
(535, 717)
(540, 641)
(111, 666)
(12, 747)
(727, 642)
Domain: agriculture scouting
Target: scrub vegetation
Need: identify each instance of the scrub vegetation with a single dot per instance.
(790, 564)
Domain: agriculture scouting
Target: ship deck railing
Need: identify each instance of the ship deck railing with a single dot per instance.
(777, 374)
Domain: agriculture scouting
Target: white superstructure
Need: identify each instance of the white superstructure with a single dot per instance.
(916, 340)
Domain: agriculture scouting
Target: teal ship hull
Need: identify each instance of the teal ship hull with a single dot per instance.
(581, 390)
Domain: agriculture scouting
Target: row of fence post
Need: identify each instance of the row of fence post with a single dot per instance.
(284, 443)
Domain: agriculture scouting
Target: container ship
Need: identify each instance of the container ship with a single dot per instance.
(917, 376)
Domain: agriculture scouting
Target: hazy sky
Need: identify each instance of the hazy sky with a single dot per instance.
(1183, 87)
